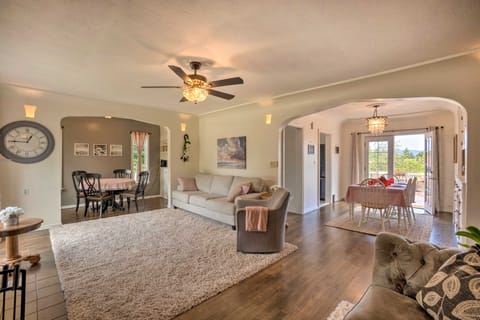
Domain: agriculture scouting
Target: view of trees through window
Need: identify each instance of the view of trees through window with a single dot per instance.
(143, 158)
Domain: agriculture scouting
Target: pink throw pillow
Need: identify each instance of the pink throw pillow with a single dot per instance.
(186, 184)
(242, 189)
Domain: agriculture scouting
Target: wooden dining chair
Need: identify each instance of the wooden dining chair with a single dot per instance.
(77, 178)
(122, 173)
(139, 191)
(93, 192)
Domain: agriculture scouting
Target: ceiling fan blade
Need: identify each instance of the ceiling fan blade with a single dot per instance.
(220, 94)
(183, 99)
(226, 82)
(154, 87)
(179, 72)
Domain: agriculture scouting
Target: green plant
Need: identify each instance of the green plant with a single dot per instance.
(472, 233)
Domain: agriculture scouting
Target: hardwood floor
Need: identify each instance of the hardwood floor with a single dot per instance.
(330, 265)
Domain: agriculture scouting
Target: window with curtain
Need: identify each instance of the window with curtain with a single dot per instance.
(139, 161)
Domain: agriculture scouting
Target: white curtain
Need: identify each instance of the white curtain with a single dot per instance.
(355, 174)
(436, 167)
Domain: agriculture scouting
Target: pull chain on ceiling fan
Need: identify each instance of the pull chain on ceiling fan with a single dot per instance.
(195, 86)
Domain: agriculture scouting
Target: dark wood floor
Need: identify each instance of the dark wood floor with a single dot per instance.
(330, 265)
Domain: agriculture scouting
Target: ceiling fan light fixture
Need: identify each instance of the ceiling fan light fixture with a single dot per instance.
(195, 90)
(376, 124)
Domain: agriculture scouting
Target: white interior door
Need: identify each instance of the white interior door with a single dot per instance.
(429, 173)
(379, 153)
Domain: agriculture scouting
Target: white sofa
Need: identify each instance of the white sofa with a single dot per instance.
(210, 200)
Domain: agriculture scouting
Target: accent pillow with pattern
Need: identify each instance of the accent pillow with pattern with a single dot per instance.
(454, 291)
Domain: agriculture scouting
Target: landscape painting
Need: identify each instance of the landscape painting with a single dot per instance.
(232, 153)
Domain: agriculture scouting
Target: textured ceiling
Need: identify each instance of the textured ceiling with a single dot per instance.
(108, 49)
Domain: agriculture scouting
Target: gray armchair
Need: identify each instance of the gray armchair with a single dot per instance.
(263, 242)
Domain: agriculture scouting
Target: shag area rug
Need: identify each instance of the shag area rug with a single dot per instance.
(420, 230)
(341, 310)
(150, 265)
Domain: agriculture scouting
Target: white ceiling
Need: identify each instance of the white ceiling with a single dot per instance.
(107, 49)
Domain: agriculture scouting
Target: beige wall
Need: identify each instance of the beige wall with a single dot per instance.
(94, 130)
(457, 79)
(43, 179)
(430, 119)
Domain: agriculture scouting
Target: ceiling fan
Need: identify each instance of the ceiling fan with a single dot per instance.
(195, 86)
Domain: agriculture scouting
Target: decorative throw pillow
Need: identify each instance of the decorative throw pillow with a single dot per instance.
(186, 184)
(242, 189)
(454, 291)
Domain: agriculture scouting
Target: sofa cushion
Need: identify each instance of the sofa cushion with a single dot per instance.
(184, 196)
(454, 291)
(240, 190)
(221, 184)
(379, 303)
(200, 199)
(203, 181)
(221, 205)
(257, 184)
(186, 184)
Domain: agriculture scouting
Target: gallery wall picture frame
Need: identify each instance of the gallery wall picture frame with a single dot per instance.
(81, 149)
(99, 149)
(116, 150)
(232, 152)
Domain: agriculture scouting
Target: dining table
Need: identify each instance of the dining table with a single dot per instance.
(115, 186)
(396, 195)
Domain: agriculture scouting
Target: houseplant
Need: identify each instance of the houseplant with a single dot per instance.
(472, 233)
(10, 215)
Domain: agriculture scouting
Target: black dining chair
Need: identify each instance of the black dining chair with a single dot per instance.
(139, 191)
(77, 177)
(122, 173)
(93, 192)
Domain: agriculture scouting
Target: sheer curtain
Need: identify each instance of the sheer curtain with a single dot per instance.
(139, 138)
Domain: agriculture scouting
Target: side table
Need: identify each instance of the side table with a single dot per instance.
(11, 233)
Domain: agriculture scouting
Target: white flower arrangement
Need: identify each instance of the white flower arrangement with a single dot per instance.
(10, 212)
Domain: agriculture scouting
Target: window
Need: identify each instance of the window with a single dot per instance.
(141, 158)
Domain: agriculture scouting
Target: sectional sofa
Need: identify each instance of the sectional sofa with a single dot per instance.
(213, 195)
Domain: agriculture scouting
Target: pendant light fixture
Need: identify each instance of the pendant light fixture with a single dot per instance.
(376, 124)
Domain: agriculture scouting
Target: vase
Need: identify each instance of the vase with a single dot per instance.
(12, 221)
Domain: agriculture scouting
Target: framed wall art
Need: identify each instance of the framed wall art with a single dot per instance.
(232, 153)
(116, 150)
(81, 149)
(99, 150)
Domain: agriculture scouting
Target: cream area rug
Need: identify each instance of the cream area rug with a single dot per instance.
(150, 265)
(341, 310)
(420, 230)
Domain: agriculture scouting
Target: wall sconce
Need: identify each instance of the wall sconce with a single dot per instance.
(29, 111)
(268, 118)
(183, 127)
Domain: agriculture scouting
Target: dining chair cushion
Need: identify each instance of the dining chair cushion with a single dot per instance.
(186, 184)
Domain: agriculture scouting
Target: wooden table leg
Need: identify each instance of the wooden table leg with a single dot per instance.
(11, 248)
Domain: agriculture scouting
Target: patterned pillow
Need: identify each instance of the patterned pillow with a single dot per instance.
(186, 184)
(454, 291)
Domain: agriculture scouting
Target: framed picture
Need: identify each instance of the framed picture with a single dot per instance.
(81, 149)
(99, 150)
(116, 150)
(310, 149)
(232, 153)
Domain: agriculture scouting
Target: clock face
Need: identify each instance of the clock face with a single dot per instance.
(26, 141)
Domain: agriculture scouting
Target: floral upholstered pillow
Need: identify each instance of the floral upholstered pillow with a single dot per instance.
(454, 291)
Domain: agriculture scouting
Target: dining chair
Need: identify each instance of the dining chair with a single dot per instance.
(93, 192)
(138, 191)
(374, 198)
(122, 173)
(372, 182)
(77, 178)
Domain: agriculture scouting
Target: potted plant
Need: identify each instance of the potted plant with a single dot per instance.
(472, 233)
(10, 215)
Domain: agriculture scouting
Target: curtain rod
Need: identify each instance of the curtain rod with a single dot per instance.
(401, 130)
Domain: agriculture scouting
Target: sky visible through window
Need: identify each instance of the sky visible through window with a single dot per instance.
(411, 142)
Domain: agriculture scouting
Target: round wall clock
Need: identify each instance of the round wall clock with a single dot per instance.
(26, 142)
